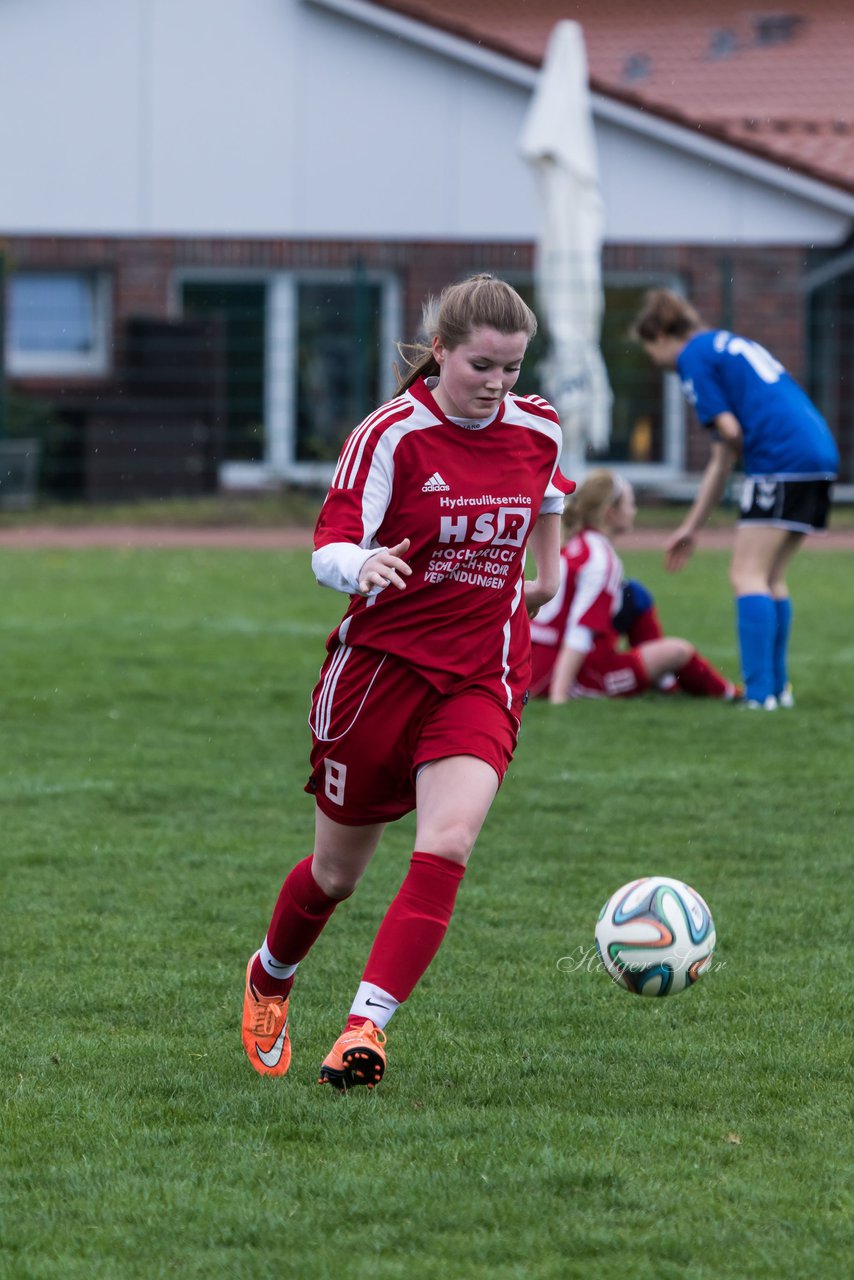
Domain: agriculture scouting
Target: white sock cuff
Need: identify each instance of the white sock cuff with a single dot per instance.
(274, 967)
(374, 1003)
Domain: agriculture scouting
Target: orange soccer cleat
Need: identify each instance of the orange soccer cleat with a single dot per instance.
(265, 1030)
(357, 1057)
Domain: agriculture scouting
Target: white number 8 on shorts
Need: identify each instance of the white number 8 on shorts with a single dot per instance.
(336, 780)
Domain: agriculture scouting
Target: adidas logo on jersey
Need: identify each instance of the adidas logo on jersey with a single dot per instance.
(435, 485)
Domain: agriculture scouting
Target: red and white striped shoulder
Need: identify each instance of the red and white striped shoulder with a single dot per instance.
(360, 444)
(538, 406)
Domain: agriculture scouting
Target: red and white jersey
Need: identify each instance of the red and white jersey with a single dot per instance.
(467, 498)
(582, 613)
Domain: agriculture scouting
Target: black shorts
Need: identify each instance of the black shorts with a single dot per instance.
(800, 505)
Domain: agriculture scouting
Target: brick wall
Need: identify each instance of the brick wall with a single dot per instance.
(758, 292)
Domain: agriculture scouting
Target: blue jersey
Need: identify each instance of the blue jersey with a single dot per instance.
(784, 435)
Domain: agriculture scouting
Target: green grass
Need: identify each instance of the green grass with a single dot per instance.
(230, 510)
(535, 1121)
(292, 507)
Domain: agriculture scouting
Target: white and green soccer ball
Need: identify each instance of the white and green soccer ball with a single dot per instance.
(655, 936)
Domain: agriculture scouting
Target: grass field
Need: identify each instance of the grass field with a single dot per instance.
(294, 507)
(535, 1121)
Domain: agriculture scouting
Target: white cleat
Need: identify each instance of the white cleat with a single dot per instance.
(753, 704)
(786, 698)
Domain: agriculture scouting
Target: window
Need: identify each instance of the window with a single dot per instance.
(647, 420)
(239, 308)
(57, 323)
(638, 417)
(307, 355)
(339, 344)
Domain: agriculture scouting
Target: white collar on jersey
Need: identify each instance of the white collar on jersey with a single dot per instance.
(469, 424)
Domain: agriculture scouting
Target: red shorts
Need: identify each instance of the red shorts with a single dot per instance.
(375, 720)
(611, 673)
(606, 672)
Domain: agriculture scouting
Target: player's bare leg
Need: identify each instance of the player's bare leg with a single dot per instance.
(342, 854)
(672, 655)
(760, 555)
(664, 656)
(454, 796)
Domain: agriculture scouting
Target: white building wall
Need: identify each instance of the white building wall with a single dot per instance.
(69, 115)
(280, 118)
(654, 194)
(227, 86)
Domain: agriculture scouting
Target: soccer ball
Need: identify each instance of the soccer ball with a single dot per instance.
(655, 936)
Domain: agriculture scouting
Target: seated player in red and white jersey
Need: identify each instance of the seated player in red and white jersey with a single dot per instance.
(576, 638)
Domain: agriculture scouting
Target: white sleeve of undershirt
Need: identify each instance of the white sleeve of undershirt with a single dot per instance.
(339, 564)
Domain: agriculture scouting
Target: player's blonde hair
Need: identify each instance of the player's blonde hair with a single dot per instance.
(665, 314)
(585, 508)
(481, 301)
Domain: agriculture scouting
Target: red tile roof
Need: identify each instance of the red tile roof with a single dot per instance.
(776, 79)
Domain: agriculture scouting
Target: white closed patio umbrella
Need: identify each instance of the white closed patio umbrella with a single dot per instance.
(557, 139)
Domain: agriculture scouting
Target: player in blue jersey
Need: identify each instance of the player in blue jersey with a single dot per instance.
(754, 409)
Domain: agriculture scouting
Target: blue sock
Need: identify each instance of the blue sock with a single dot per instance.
(756, 619)
(781, 644)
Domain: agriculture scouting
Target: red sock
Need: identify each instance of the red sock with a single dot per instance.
(299, 915)
(414, 925)
(700, 678)
(646, 626)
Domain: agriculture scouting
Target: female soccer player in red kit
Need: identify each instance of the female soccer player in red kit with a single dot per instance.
(425, 526)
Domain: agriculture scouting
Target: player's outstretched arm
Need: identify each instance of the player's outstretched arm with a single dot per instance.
(682, 541)
(679, 548)
(569, 663)
(384, 567)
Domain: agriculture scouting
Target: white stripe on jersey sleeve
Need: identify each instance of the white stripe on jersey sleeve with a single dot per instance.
(351, 455)
(554, 498)
(376, 494)
(351, 447)
(601, 572)
(338, 564)
(540, 402)
(516, 414)
(379, 481)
